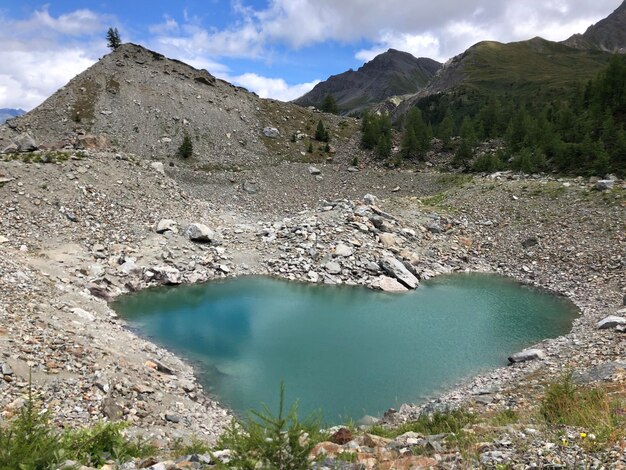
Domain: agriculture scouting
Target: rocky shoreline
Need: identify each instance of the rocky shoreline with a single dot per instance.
(76, 234)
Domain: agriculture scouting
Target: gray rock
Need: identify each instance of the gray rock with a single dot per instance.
(271, 132)
(529, 242)
(527, 355)
(332, 267)
(25, 142)
(343, 250)
(611, 322)
(158, 167)
(434, 228)
(388, 284)
(250, 187)
(370, 200)
(604, 371)
(396, 269)
(172, 418)
(605, 185)
(6, 369)
(167, 275)
(314, 170)
(199, 233)
(165, 225)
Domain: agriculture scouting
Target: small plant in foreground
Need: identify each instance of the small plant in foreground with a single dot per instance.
(451, 421)
(263, 440)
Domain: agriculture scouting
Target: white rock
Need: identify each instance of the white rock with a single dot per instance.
(199, 233)
(343, 250)
(527, 355)
(271, 132)
(158, 167)
(84, 314)
(611, 322)
(396, 269)
(388, 284)
(314, 170)
(165, 225)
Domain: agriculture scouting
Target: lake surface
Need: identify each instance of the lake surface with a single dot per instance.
(346, 351)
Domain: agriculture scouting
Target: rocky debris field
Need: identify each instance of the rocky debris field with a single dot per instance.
(87, 227)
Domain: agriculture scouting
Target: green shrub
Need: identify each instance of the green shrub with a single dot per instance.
(272, 442)
(452, 421)
(186, 147)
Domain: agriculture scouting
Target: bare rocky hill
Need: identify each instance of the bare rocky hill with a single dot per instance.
(136, 100)
(389, 74)
(608, 34)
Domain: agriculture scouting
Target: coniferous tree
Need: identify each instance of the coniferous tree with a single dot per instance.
(330, 105)
(446, 129)
(113, 38)
(321, 134)
(186, 147)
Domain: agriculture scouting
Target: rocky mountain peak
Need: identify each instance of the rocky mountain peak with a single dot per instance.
(608, 34)
(388, 74)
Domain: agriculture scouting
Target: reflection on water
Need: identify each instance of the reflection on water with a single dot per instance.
(348, 351)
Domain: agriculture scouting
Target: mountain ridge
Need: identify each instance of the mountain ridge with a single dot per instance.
(608, 34)
(388, 74)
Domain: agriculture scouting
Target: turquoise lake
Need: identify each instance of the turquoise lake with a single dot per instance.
(346, 351)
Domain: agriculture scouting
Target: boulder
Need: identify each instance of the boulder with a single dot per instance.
(25, 142)
(388, 240)
(167, 275)
(605, 185)
(166, 225)
(314, 170)
(343, 250)
(396, 269)
(271, 132)
(158, 167)
(527, 355)
(199, 233)
(388, 284)
(611, 322)
(91, 142)
(332, 267)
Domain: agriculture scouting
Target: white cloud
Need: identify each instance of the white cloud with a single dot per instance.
(276, 88)
(42, 53)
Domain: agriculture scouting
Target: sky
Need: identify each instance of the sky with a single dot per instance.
(277, 48)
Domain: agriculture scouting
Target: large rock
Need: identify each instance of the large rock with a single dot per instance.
(199, 233)
(167, 275)
(343, 250)
(25, 142)
(166, 225)
(611, 322)
(396, 269)
(271, 132)
(605, 185)
(158, 167)
(388, 284)
(527, 355)
(332, 267)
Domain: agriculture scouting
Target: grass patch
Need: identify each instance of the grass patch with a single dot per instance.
(195, 446)
(592, 408)
(454, 179)
(505, 417)
(449, 422)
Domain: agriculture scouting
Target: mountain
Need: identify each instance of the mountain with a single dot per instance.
(520, 68)
(8, 113)
(608, 34)
(389, 74)
(138, 101)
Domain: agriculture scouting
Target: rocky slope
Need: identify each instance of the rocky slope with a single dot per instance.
(389, 74)
(139, 101)
(608, 34)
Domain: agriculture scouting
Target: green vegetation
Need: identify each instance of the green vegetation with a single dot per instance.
(321, 134)
(581, 130)
(377, 134)
(113, 38)
(417, 136)
(267, 441)
(330, 105)
(31, 442)
(186, 147)
(588, 407)
(451, 421)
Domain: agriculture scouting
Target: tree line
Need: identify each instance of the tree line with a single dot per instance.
(582, 132)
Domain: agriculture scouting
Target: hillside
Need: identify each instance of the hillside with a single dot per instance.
(138, 101)
(389, 74)
(518, 68)
(608, 34)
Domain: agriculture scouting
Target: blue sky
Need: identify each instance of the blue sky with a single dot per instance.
(277, 48)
